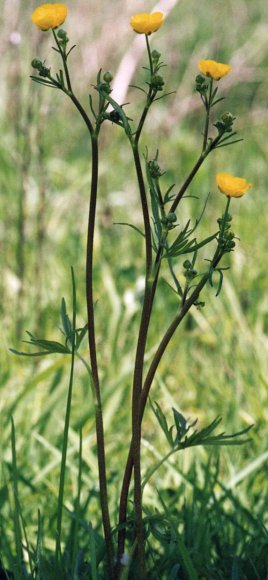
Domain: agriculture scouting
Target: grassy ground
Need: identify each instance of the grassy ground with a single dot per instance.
(216, 364)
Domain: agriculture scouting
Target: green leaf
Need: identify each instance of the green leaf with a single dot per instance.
(163, 423)
(180, 424)
(67, 327)
(80, 335)
(130, 226)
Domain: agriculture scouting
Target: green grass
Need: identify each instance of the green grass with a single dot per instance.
(207, 512)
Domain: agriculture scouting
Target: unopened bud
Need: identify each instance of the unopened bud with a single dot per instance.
(189, 274)
(62, 34)
(108, 77)
(227, 118)
(231, 244)
(157, 82)
(37, 64)
(154, 168)
(199, 80)
(155, 55)
(171, 217)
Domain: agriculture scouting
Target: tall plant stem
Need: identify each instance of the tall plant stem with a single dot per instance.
(90, 315)
(138, 368)
(93, 358)
(146, 389)
(213, 144)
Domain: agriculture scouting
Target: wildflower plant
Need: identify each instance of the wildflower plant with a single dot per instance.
(167, 240)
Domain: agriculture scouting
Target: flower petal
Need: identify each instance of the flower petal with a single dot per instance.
(49, 16)
(232, 186)
(144, 23)
(213, 69)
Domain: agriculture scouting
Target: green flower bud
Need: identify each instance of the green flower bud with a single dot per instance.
(62, 34)
(201, 85)
(171, 217)
(155, 55)
(154, 168)
(231, 245)
(114, 116)
(200, 80)
(230, 235)
(187, 264)
(220, 126)
(228, 119)
(157, 83)
(189, 274)
(37, 64)
(108, 77)
(44, 72)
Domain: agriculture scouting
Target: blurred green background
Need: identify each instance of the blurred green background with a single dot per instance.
(217, 363)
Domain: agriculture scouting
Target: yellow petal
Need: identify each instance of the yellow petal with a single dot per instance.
(49, 16)
(213, 69)
(232, 186)
(147, 23)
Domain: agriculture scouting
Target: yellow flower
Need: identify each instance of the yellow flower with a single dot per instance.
(49, 16)
(213, 69)
(232, 186)
(147, 23)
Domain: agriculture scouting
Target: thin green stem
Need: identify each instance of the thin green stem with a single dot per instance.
(64, 61)
(208, 107)
(149, 54)
(157, 465)
(77, 505)
(150, 96)
(193, 172)
(65, 434)
(17, 529)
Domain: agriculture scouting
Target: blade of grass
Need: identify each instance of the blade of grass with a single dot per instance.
(17, 529)
(93, 559)
(186, 561)
(39, 547)
(77, 505)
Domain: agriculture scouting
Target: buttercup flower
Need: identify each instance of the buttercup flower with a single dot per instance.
(213, 69)
(232, 186)
(49, 16)
(147, 23)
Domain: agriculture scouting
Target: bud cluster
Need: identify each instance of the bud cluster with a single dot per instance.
(154, 169)
(189, 272)
(169, 220)
(225, 123)
(155, 56)
(62, 37)
(226, 237)
(201, 85)
(104, 85)
(157, 83)
(42, 69)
